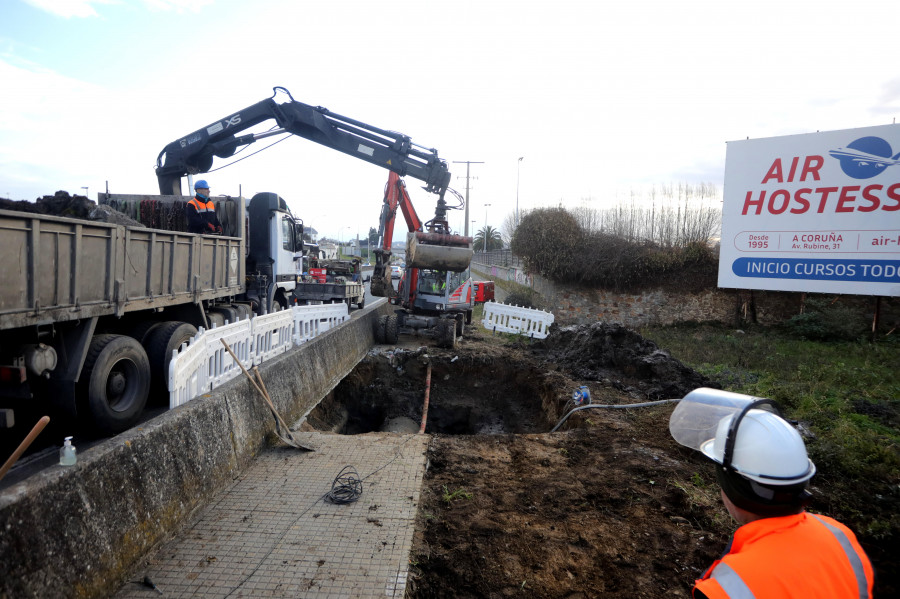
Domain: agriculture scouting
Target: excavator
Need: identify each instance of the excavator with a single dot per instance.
(436, 289)
(435, 294)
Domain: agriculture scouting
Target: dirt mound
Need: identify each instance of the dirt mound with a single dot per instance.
(611, 352)
(71, 206)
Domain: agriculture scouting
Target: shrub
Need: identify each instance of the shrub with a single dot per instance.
(826, 321)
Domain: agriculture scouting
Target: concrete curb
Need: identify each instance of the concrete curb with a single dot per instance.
(79, 531)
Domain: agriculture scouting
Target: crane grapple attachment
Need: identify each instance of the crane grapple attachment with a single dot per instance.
(438, 251)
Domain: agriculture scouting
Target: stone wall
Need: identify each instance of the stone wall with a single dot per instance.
(572, 304)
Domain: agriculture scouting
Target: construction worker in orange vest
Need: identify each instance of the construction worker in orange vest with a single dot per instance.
(201, 211)
(780, 550)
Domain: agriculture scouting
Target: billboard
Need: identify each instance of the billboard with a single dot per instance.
(817, 212)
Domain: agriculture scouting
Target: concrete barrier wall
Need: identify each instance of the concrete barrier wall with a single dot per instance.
(79, 531)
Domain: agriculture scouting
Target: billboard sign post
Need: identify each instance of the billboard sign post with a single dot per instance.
(817, 212)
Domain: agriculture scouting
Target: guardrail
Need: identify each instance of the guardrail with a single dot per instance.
(203, 364)
(517, 320)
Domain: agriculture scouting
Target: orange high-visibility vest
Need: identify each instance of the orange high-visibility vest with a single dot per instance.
(801, 556)
(200, 206)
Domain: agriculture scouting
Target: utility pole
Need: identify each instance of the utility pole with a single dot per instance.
(467, 163)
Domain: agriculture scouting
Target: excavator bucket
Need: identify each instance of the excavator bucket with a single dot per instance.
(437, 251)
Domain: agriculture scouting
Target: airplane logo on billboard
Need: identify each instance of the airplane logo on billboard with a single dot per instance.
(866, 157)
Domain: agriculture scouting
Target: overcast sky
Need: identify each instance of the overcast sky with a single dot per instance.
(598, 97)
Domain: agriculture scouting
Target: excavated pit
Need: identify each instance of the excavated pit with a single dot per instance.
(486, 386)
(471, 392)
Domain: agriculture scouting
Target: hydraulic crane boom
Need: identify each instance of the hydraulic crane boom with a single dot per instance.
(194, 153)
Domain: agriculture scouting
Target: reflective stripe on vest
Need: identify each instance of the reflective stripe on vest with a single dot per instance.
(861, 583)
(731, 582)
(202, 206)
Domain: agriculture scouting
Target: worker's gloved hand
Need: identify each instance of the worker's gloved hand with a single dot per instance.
(219, 229)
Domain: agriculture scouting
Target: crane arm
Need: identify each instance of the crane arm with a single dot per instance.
(195, 152)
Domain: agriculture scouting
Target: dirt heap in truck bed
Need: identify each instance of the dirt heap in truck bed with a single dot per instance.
(71, 206)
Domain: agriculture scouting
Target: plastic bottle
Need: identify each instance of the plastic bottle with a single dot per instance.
(67, 453)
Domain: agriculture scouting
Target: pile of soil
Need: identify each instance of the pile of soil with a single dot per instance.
(610, 506)
(72, 206)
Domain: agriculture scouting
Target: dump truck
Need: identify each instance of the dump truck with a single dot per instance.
(90, 312)
(330, 281)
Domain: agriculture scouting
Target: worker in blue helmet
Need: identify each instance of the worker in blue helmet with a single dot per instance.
(201, 212)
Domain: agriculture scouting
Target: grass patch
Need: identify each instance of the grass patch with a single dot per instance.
(449, 496)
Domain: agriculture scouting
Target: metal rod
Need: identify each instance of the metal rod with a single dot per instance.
(427, 393)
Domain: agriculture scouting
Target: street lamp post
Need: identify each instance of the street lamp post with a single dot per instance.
(518, 172)
(86, 194)
(485, 227)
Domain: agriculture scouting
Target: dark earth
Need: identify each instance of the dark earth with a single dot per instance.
(609, 506)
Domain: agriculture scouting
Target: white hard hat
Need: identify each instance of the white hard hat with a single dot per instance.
(767, 449)
(764, 447)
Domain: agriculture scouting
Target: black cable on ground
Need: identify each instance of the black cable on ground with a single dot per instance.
(346, 487)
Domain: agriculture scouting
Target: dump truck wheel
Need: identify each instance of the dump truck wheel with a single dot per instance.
(361, 303)
(229, 313)
(379, 329)
(243, 311)
(391, 333)
(160, 345)
(142, 330)
(114, 384)
(216, 319)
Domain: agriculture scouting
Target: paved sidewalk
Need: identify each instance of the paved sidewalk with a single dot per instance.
(271, 534)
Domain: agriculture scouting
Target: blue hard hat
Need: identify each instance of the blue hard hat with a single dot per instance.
(201, 184)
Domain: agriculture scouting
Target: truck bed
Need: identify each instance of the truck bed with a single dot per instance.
(56, 269)
(329, 291)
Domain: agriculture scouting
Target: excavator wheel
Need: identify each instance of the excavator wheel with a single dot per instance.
(460, 324)
(445, 333)
(391, 330)
(468, 317)
(379, 329)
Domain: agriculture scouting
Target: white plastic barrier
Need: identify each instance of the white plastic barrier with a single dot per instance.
(221, 367)
(204, 364)
(272, 335)
(310, 321)
(514, 319)
(188, 372)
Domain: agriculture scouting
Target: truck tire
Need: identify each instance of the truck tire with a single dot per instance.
(243, 311)
(229, 313)
(142, 330)
(165, 338)
(114, 384)
(445, 333)
(391, 332)
(216, 319)
(361, 303)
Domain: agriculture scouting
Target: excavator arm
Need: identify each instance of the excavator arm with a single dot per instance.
(195, 152)
(429, 245)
